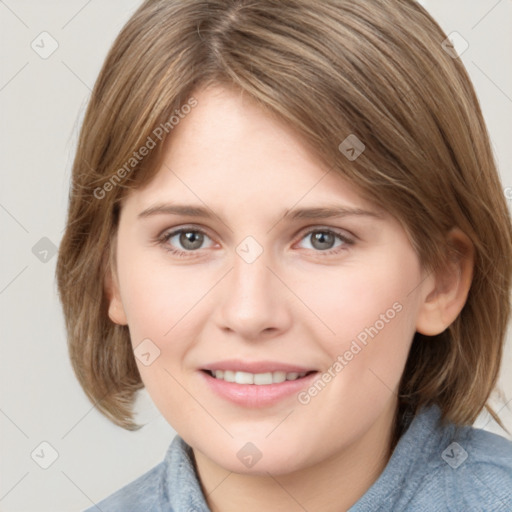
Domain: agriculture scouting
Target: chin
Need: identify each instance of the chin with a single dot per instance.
(258, 458)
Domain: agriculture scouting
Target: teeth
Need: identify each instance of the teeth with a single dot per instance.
(278, 377)
(229, 376)
(263, 378)
(259, 379)
(244, 378)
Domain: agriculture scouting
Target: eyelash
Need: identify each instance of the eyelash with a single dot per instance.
(164, 238)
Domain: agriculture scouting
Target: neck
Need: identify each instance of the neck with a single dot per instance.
(333, 485)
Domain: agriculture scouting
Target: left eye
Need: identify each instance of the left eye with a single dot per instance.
(324, 239)
(189, 239)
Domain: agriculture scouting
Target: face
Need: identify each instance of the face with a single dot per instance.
(245, 260)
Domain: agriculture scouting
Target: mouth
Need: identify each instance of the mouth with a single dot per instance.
(257, 384)
(257, 379)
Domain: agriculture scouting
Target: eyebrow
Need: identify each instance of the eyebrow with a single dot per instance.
(323, 212)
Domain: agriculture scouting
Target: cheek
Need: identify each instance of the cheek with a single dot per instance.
(158, 298)
(162, 305)
(372, 314)
(367, 317)
(168, 306)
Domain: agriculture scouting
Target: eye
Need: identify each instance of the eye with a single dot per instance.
(184, 240)
(324, 240)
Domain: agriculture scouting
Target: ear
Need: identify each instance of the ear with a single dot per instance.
(446, 292)
(116, 311)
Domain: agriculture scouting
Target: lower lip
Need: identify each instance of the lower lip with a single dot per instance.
(255, 396)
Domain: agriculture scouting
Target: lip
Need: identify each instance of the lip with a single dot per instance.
(256, 366)
(252, 395)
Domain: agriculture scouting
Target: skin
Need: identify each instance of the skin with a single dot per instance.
(295, 303)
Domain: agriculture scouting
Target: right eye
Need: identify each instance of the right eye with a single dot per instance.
(190, 239)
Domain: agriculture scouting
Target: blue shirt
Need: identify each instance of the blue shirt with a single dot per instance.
(433, 467)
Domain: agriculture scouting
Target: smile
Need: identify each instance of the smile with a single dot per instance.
(258, 384)
(258, 379)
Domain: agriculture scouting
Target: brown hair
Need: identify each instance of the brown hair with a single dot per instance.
(375, 69)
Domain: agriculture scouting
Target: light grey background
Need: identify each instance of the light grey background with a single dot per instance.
(42, 103)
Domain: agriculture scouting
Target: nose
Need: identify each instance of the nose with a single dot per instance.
(254, 302)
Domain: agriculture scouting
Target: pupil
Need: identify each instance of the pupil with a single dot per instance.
(191, 240)
(325, 240)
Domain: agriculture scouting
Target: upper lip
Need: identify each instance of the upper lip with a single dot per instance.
(256, 366)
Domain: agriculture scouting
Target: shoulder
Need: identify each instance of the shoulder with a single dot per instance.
(171, 485)
(141, 495)
(467, 469)
(439, 466)
(478, 469)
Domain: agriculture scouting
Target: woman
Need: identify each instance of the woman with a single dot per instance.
(286, 223)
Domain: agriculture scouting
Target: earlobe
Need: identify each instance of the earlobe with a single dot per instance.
(116, 311)
(446, 291)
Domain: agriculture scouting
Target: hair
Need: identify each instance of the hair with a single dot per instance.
(375, 69)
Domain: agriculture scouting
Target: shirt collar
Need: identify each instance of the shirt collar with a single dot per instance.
(422, 438)
(182, 482)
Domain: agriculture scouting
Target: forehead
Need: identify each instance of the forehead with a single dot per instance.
(228, 151)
